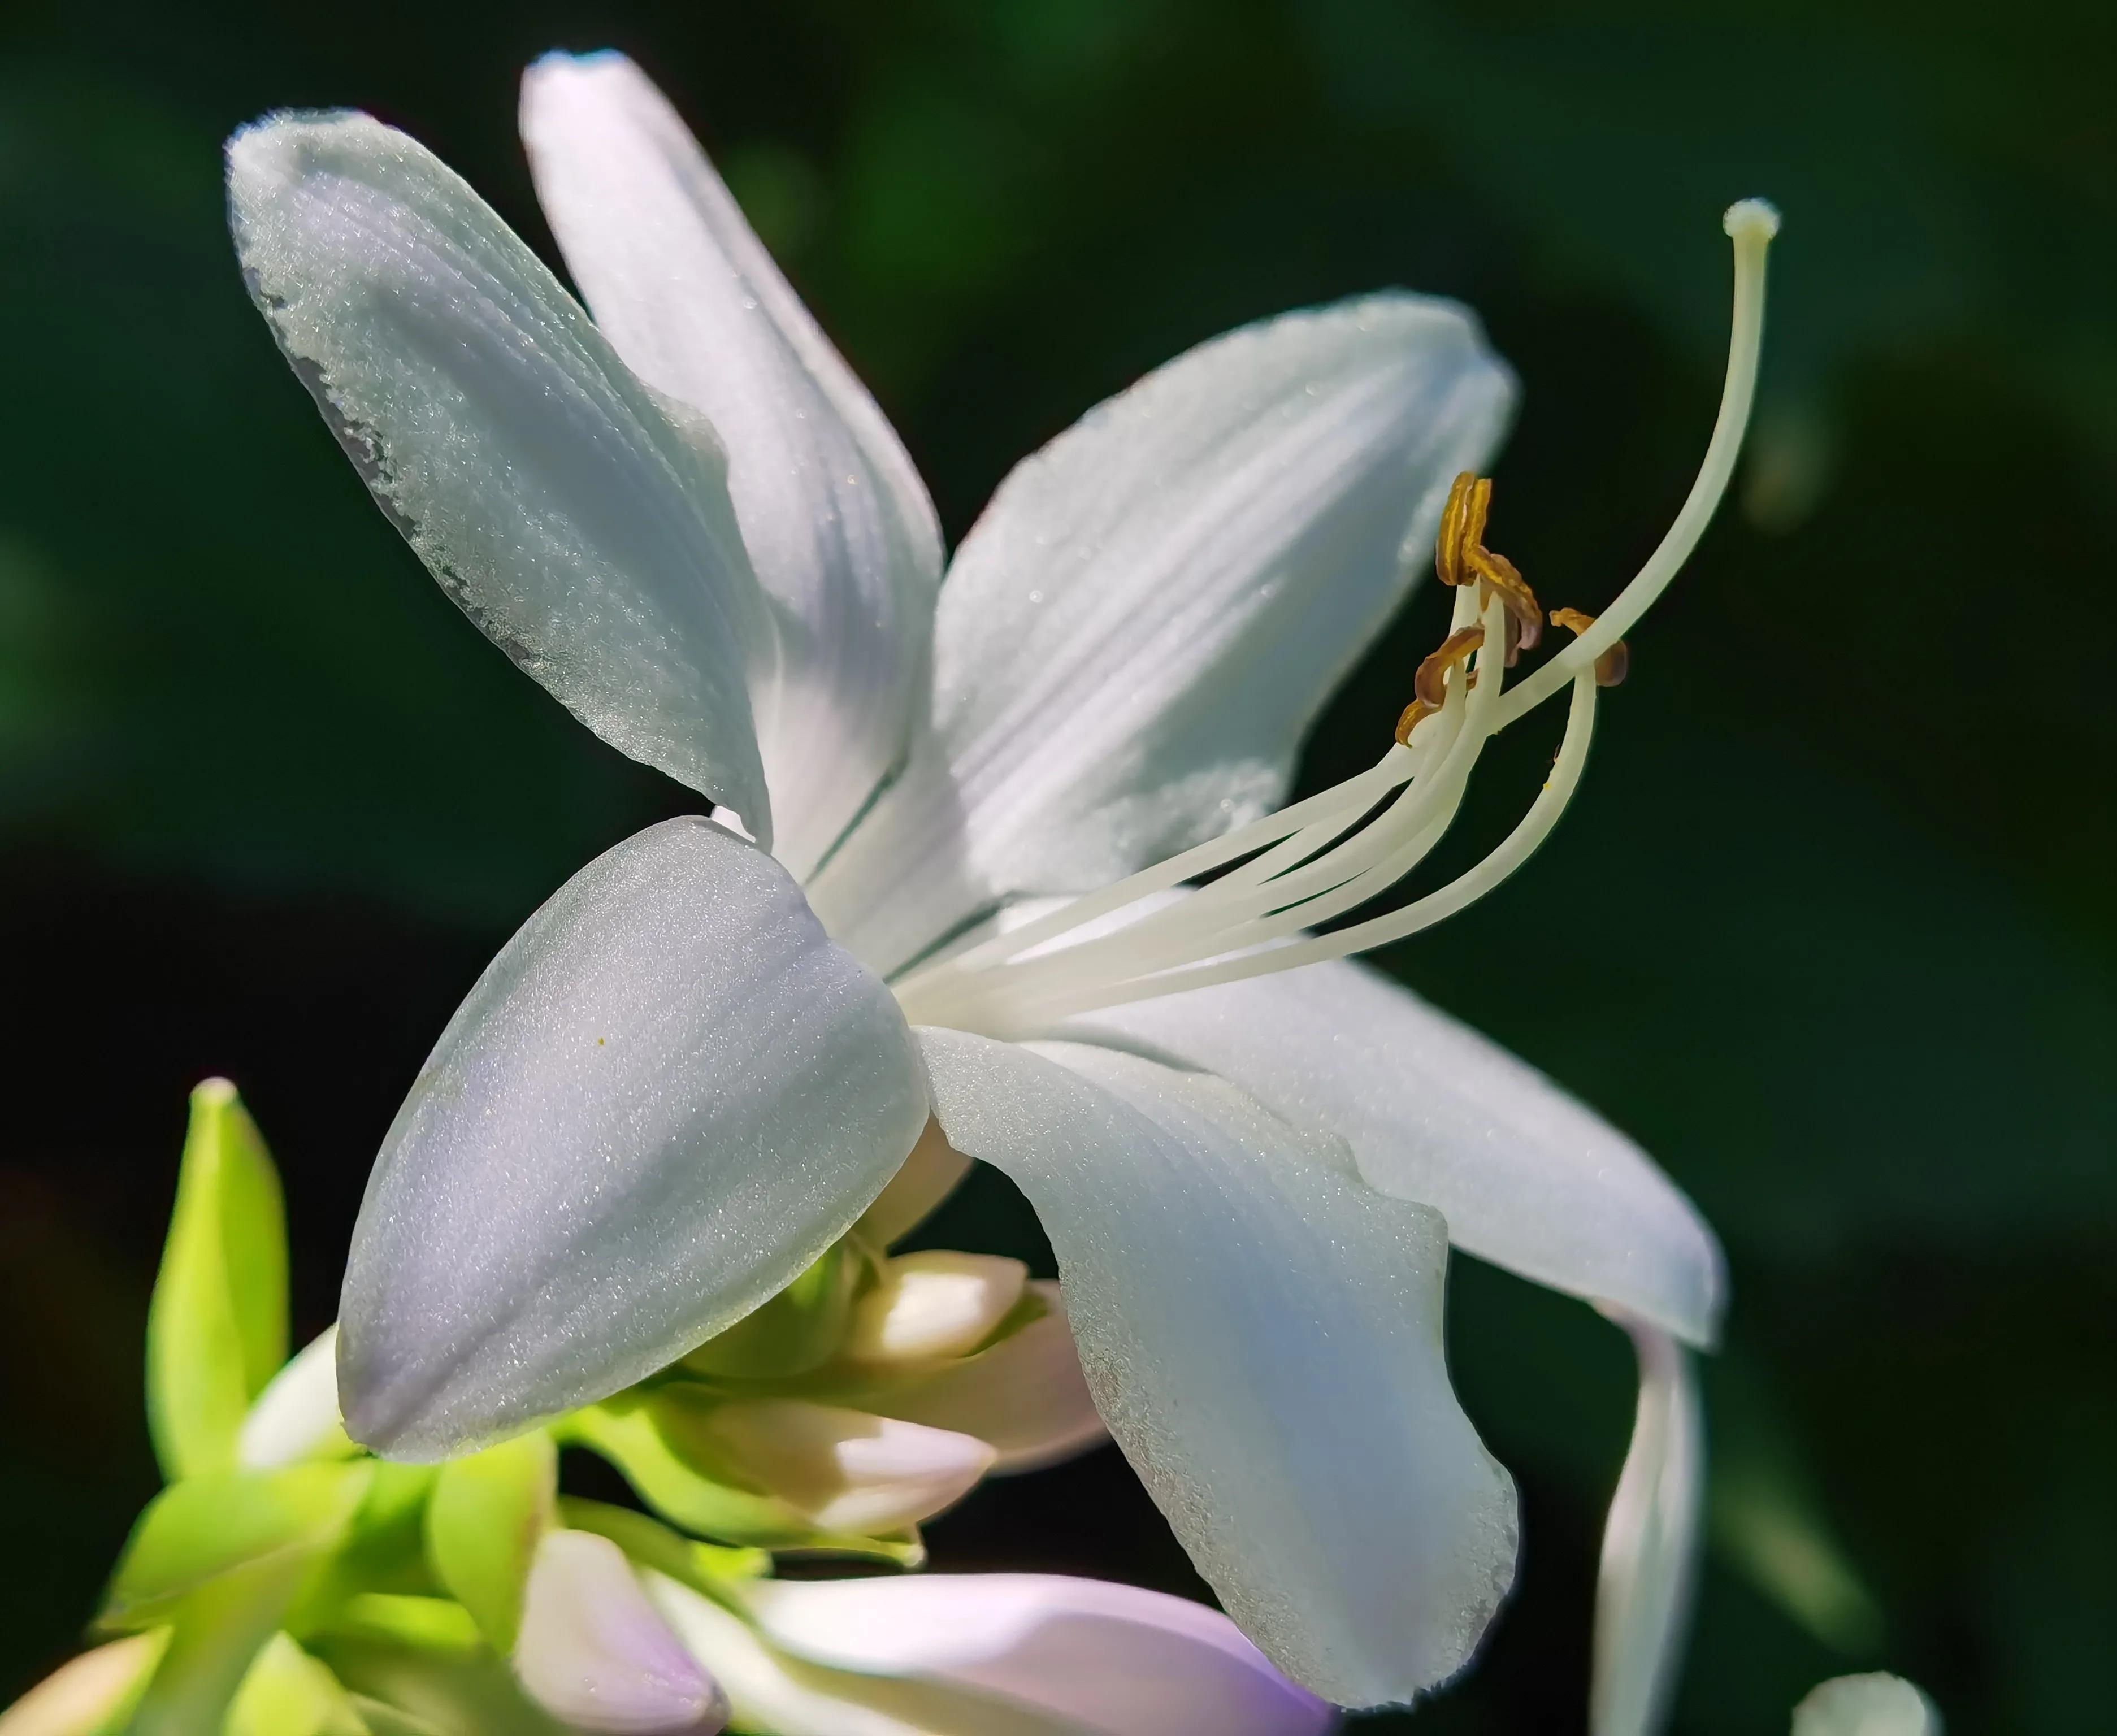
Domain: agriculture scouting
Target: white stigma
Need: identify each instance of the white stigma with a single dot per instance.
(1315, 861)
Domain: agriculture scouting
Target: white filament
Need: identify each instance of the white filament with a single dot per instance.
(1304, 868)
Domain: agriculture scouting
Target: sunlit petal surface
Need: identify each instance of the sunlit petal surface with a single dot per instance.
(1134, 636)
(1263, 1333)
(584, 528)
(836, 518)
(667, 1096)
(1526, 1177)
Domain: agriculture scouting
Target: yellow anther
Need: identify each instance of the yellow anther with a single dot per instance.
(1611, 667)
(1430, 682)
(1460, 555)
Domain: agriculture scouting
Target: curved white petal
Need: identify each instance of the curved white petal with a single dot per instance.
(1650, 1546)
(1263, 1333)
(1875, 1705)
(1025, 1397)
(1133, 639)
(1526, 1177)
(667, 1096)
(596, 1653)
(835, 517)
(1095, 1656)
(589, 534)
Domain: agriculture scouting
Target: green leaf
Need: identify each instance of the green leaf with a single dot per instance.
(466, 1693)
(483, 1522)
(223, 1558)
(384, 1549)
(791, 1333)
(434, 1624)
(656, 1438)
(387, 1720)
(704, 1566)
(230, 1523)
(217, 1326)
(289, 1693)
(219, 1629)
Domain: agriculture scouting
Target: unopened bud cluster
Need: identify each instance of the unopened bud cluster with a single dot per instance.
(287, 1583)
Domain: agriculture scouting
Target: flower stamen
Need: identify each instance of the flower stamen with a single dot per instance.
(1611, 667)
(1276, 880)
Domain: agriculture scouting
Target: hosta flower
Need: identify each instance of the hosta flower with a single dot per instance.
(691, 1072)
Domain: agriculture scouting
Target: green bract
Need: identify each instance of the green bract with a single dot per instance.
(483, 1520)
(216, 1327)
(286, 1583)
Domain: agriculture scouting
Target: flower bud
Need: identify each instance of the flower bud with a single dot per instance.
(846, 1470)
(90, 1692)
(594, 1653)
(296, 1416)
(1025, 1395)
(927, 1306)
(927, 1177)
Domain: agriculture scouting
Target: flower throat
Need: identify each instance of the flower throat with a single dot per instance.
(1314, 860)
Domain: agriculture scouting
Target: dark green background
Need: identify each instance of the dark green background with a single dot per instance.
(1831, 928)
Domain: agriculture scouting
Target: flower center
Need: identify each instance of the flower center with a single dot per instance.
(1315, 860)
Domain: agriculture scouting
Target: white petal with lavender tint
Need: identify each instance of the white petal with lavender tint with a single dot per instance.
(1650, 1546)
(835, 517)
(667, 1096)
(587, 534)
(597, 1655)
(770, 1691)
(1106, 1658)
(1025, 1397)
(1134, 638)
(1526, 1177)
(1262, 1334)
(846, 1470)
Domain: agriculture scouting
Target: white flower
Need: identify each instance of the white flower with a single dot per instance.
(697, 1066)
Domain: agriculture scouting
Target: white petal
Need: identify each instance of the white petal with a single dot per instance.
(297, 1414)
(1100, 1657)
(1526, 1177)
(1876, 1705)
(1263, 1333)
(664, 1099)
(1134, 638)
(834, 515)
(1650, 1546)
(931, 1305)
(789, 1697)
(586, 533)
(847, 1470)
(594, 1652)
(929, 1175)
(1025, 1397)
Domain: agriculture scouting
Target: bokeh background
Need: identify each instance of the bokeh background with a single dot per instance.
(1831, 930)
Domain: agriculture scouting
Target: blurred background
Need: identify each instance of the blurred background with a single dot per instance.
(1831, 930)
